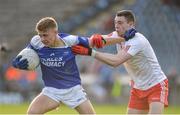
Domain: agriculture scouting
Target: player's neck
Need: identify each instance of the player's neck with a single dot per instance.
(58, 43)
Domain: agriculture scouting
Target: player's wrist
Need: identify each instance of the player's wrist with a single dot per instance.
(93, 53)
(104, 41)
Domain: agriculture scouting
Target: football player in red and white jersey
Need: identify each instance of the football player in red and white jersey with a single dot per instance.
(149, 84)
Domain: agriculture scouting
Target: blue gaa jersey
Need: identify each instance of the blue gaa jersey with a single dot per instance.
(58, 65)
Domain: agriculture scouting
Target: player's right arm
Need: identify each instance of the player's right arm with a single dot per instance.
(20, 63)
(100, 41)
(113, 59)
(35, 43)
(23, 63)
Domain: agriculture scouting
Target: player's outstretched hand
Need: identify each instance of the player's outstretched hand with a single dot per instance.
(130, 34)
(20, 64)
(81, 50)
(97, 40)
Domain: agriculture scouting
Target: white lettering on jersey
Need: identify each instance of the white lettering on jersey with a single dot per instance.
(53, 62)
(52, 54)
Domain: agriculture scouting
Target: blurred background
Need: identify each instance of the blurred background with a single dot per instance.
(158, 20)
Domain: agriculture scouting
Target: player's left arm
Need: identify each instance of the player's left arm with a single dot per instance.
(110, 59)
(112, 40)
(93, 41)
(99, 41)
(113, 59)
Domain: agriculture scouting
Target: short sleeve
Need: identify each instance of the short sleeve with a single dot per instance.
(36, 43)
(71, 40)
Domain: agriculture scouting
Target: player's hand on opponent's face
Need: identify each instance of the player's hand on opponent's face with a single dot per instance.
(97, 40)
(81, 50)
(20, 64)
(129, 34)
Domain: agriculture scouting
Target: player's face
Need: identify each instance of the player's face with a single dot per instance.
(121, 24)
(48, 38)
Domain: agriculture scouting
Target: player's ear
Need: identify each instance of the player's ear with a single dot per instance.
(131, 23)
(56, 31)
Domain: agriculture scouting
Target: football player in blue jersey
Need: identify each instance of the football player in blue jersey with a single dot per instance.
(59, 70)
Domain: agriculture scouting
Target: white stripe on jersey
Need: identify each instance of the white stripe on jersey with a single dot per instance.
(71, 40)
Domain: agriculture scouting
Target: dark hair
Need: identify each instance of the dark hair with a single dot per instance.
(128, 14)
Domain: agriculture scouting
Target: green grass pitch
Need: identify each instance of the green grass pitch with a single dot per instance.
(100, 109)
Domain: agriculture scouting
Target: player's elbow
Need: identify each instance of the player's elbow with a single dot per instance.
(114, 64)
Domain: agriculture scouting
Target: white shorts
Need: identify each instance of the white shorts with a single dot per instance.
(72, 97)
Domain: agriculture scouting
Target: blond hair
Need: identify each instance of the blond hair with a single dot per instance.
(46, 23)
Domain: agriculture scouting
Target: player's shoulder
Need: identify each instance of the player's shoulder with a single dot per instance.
(138, 39)
(65, 35)
(36, 42)
(62, 35)
(140, 35)
(68, 38)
